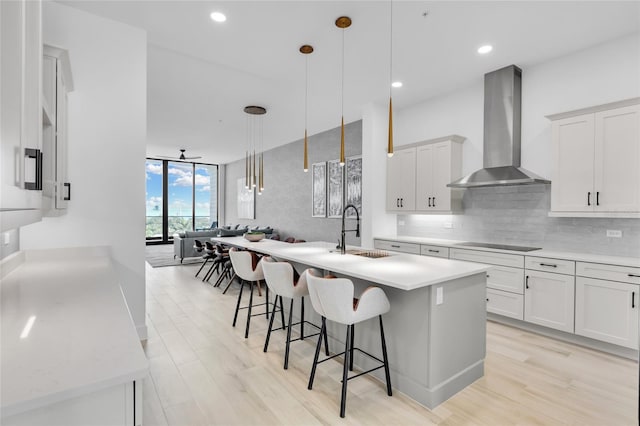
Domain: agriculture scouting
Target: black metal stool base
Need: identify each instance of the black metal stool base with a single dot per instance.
(290, 326)
(348, 362)
(249, 307)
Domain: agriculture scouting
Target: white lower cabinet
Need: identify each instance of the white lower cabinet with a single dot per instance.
(549, 300)
(607, 298)
(505, 303)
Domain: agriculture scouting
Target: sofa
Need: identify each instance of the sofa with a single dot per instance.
(183, 242)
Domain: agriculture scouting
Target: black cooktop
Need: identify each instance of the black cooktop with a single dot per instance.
(498, 246)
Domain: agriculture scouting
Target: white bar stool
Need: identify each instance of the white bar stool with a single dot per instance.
(283, 281)
(333, 299)
(248, 268)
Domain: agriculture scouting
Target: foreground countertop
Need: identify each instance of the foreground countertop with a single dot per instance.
(398, 270)
(551, 254)
(82, 338)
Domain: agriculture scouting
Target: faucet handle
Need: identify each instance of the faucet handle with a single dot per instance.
(339, 246)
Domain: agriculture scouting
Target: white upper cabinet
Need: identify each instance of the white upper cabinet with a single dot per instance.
(57, 83)
(401, 180)
(21, 118)
(417, 176)
(596, 161)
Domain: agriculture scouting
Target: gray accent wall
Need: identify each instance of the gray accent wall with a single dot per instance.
(285, 204)
(518, 215)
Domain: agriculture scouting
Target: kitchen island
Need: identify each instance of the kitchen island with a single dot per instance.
(436, 329)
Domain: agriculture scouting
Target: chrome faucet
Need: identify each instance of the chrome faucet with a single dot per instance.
(342, 245)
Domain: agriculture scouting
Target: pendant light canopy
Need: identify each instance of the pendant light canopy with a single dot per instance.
(390, 141)
(306, 50)
(254, 162)
(343, 23)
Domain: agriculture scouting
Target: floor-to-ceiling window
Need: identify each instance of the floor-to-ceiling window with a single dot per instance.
(180, 196)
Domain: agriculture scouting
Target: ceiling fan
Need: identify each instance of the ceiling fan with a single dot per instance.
(181, 157)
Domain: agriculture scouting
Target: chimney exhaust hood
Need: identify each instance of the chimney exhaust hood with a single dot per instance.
(501, 161)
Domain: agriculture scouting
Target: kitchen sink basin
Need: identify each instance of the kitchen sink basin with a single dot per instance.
(373, 254)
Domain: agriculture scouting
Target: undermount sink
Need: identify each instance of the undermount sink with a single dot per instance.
(373, 254)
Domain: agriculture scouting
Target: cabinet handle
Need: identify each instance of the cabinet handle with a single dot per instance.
(551, 265)
(588, 198)
(35, 154)
(401, 200)
(526, 282)
(598, 198)
(633, 275)
(429, 201)
(397, 202)
(394, 246)
(633, 300)
(434, 251)
(434, 202)
(488, 276)
(487, 299)
(68, 186)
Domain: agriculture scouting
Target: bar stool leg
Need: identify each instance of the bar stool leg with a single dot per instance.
(323, 331)
(267, 301)
(353, 332)
(345, 371)
(302, 318)
(246, 331)
(230, 282)
(284, 326)
(384, 358)
(235, 316)
(286, 350)
(273, 315)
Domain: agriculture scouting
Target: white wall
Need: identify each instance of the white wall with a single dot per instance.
(605, 73)
(107, 138)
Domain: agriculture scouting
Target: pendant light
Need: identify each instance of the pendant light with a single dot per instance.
(342, 22)
(254, 162)
(390, 142)
(306, 50)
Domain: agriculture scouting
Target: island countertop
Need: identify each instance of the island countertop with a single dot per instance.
(81, 337)
(398, 270)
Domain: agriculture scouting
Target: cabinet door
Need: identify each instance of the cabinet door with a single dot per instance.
(424, 176)
(617, 160)
(549, 300)
(607, 311)
(506, 278)
(21, 118)
(63, 187)
(573, 175)
(442, 175)
(401, 180)
(505, 303)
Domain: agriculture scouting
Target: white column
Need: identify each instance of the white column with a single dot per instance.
(376, 221)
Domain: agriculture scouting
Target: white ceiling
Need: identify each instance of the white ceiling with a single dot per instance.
(202, 74)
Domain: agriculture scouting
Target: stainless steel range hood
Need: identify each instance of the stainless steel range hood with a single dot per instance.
(501, 161)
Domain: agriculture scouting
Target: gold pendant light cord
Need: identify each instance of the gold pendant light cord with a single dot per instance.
(342, 160)
(306, 107)
(390, 140)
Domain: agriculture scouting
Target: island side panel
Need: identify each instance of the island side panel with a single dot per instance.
(457, 343)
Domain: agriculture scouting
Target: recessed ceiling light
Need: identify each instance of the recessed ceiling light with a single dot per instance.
(485, 49)
(396, 84)
(218, 17)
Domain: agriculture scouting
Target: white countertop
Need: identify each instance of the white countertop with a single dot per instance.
(399, 270)
(82, 339)
(578, 257)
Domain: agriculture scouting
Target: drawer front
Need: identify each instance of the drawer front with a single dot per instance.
(505, 303)
(625, 274)
(501, 259)
(396, 246)
(435, 251)
(506, 278)
(557, 266)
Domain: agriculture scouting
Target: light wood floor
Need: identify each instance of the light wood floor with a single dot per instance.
(204, 372)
